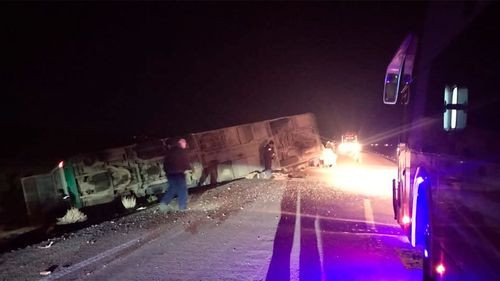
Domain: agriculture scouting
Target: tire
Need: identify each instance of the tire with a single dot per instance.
(428, 266)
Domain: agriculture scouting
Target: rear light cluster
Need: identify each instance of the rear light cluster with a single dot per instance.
(440, 269)
(406, 220)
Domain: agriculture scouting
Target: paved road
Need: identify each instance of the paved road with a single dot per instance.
(334, 224)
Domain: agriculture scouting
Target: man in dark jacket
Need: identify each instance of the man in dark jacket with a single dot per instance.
(175, 164)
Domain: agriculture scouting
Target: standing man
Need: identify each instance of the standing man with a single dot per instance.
(176, 163)
(209, 169)
(269, 155)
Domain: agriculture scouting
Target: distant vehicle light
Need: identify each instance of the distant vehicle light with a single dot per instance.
(440, 269)
(61, 164)
(386, 144)
(356, 147)
(426, 254)
(343, 148)
(350, 147)
(406, 220)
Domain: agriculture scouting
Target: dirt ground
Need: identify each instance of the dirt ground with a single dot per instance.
(213, 205)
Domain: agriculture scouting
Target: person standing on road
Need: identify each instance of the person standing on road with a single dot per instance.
(176, 163)
(269, 155)
(209, 169)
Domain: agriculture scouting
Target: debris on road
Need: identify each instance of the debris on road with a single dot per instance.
(297, 174)
(279, 176)
(73, 215)
(49, 270)
(47, 246)
(253, 175)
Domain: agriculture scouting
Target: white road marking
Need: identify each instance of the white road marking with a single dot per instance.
(319, 242)
(396, 226)
(369, 213)
(144, 238)
(295, 252)
(401, 237)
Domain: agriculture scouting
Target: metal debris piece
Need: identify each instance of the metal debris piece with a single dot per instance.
(45, 273)
(49, 270)
(46, 246)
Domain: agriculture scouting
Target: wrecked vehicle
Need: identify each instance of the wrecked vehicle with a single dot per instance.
(137, 170)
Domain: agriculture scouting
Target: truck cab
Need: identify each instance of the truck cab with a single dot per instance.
(446, 195)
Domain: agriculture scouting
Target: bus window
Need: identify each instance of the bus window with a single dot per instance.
(150, 149)
(211, 141)
(260, 130)
(304, 121)
(231, 136)
(245, 134)
(280, 125)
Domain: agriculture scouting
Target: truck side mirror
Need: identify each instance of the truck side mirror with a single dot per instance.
(398, 74)
(455, 108)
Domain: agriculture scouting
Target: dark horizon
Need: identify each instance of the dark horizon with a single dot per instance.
(85, 76)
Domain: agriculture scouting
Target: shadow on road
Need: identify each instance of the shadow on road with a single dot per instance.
(279, 268)
(333, 247)
(309, 260)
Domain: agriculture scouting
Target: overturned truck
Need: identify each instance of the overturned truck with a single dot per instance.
(137, 170)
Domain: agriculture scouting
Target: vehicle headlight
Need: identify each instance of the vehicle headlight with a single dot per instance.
(356, 147)
(343, 147)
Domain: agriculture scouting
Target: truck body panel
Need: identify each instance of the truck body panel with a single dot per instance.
(447, 191)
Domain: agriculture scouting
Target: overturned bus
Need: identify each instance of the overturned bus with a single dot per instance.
(216, 156)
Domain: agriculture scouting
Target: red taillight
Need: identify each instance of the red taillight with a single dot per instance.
(440, 269)
(406, 220)
(61, 164)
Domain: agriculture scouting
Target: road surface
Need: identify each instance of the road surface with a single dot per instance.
(332, 224)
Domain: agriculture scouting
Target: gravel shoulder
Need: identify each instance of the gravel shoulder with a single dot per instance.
(214, 205)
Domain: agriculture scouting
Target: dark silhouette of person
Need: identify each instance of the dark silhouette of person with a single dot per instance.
(176, 163)
(269, 154)
(209, 169)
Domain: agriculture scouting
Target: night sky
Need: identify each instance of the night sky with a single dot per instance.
(82, 76)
